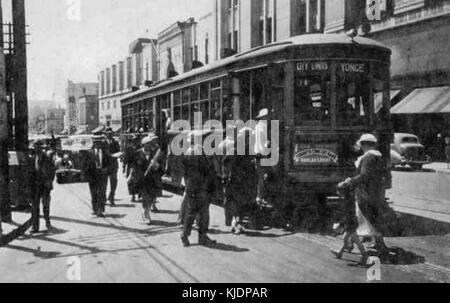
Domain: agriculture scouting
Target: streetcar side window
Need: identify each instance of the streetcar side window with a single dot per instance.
(313, 99)
(216, 111)
(204, 101)
(194, 104)
(185, 104)
(177, 106)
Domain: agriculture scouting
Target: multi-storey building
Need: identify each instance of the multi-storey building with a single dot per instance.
(54, 121)
(139, 69)
(176, 48)
(87, 113)
(73, 92)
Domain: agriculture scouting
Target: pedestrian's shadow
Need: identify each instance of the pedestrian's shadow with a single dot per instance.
(125, 206)
(256, 234)
(226, 247)
(214, 231)
(164, 224)
(38, 253)
(400, 256)
(392, 256)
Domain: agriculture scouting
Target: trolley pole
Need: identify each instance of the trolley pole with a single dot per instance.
(20, 76)
(5, 208)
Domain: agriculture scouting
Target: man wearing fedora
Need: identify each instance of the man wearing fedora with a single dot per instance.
(43, 177)
(113, 148)
(149, 171)
(98, 167)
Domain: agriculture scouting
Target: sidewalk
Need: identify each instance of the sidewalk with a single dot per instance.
(11, 231)
(439, 167)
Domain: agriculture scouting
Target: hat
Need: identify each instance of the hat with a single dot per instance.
(150, 139)
(367, 138)
(263, 113)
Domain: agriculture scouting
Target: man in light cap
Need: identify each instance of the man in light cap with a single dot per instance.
(149, 171)
(369, 185)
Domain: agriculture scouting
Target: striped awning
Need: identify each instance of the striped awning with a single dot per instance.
(433, 100)
(80, 132)
(116, 128)
(98, 130)
(379, 99)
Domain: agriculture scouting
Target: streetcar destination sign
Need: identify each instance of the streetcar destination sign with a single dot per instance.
(316, 156)
(325, 66)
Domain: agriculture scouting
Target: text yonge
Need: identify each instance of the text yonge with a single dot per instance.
(231, 293)
(325, 66)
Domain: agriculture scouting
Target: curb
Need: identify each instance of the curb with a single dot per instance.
(18, 232)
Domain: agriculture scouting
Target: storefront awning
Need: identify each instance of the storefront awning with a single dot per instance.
(98, 130)
(433, 100)
(379, 99)
(80, 132)
(116, 128)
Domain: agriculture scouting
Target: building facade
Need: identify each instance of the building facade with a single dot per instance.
(176, 48)
(75, 91)
(137, 70)
(87, 113)
(54, 121)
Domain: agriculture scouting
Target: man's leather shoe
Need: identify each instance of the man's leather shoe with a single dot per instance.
(185, 241)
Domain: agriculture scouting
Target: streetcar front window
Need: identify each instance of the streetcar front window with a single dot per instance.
(313, 99)
(352, 99)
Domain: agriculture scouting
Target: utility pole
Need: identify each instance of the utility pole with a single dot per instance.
(20, 76)
(5, 208)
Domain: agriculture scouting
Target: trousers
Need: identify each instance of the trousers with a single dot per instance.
(97, 188)
(42, 195)
(196, 207)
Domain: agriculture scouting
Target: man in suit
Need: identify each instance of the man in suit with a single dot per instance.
(113, 148)
(43, 177)
(149, 171)
(98, 167)
(199, 176)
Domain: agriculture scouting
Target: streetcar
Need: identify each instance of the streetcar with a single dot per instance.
(324, 89)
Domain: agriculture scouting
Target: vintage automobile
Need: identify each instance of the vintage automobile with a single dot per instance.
(412, 152)
(71, 160)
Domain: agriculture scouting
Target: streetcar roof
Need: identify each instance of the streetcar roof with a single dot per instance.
(301, 40)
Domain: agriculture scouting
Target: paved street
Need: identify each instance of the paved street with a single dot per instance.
(121, 248)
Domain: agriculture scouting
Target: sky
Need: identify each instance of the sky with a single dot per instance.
(61, 48)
